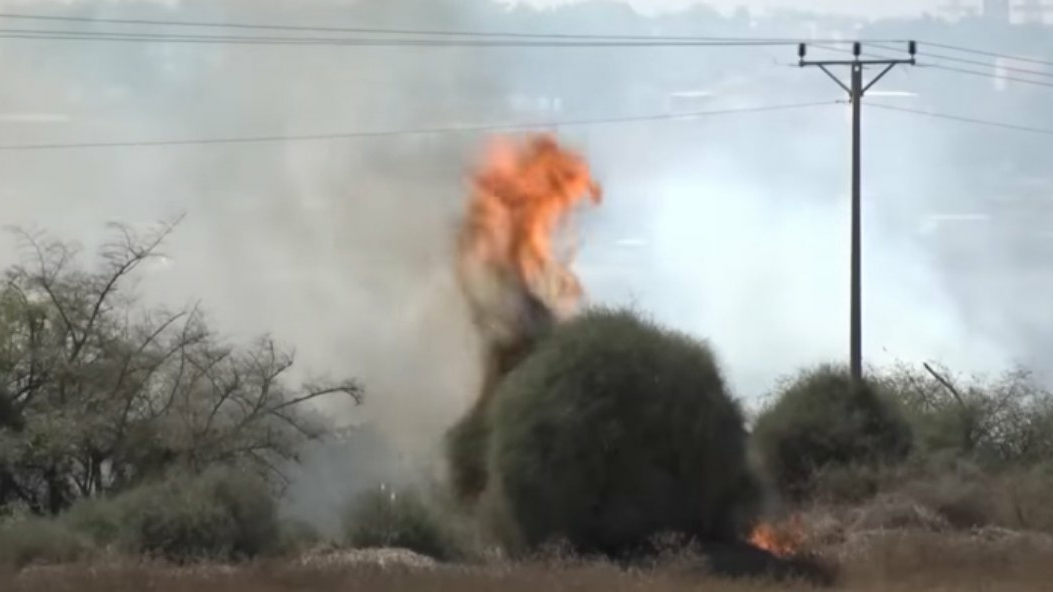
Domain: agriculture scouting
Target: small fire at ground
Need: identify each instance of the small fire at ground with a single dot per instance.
(782, 539)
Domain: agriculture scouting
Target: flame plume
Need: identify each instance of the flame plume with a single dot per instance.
(515, 283)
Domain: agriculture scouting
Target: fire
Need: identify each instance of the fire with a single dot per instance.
(783, 539)
(515, 282)
(509, 268)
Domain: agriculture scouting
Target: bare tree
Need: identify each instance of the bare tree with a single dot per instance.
(1007, 419)
(97, 392)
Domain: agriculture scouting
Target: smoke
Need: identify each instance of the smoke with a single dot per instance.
(746, 243)
(343, 250)
(733, 228)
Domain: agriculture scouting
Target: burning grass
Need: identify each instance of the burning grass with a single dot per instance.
(782, 539)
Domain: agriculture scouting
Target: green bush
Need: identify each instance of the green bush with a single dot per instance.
(613, 431)
(382, 518)
(41, 541)
(820, 421)
(466, 446)
(221, 514)
(102, 520)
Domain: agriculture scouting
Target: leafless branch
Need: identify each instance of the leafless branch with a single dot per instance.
(185, 341)
(133, 252)
(302, 429)
(350, 388)
(224, 396)
(47, 271)
(946, 384)
(150, 339)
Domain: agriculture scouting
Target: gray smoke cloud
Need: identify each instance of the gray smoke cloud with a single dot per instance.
(341, 249)
(733, 228)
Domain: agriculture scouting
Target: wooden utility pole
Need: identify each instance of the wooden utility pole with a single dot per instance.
(856, 91)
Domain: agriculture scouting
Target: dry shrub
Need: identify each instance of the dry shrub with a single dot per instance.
(999, 421)
(895, 512)
(845, 484)
(959, 493)
(1015, 498)
(926, 561)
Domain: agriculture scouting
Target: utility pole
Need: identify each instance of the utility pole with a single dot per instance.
(856, 91)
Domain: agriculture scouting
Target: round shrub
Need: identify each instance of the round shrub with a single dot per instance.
(820, 420)
(614, 431)
(381, 518)
(222, 514)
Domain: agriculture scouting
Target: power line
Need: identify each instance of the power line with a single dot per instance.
(955, 69)
(114, 36)
(409, 132)
(991, 54)
(388, 31)
(963, 119)
(937, 56)
(947, 68)
(494, 38)
(987, 74)
(988, 64)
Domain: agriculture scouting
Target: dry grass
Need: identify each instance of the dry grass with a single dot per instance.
(990, 560)
(884, 562)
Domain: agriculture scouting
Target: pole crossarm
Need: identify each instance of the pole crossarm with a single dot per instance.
(856, 90)
(855, 62)
(858, 62)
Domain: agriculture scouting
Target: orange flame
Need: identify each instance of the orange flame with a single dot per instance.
(520, 195)
(783, 539)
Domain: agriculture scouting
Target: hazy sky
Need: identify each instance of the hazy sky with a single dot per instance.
(869, 8)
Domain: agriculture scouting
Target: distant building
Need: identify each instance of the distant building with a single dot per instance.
(535, 104)
(959, 9)
(1034, 12)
